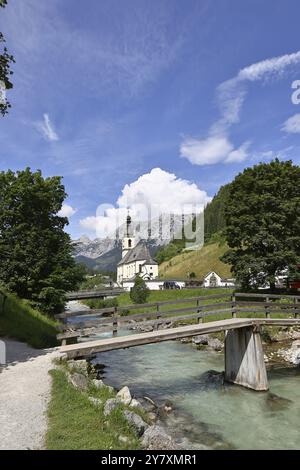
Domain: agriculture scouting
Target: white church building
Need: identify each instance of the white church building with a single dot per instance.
(136, 259)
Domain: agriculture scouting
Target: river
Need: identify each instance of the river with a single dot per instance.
(206, 413)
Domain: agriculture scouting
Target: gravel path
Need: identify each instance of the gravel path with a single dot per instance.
(25, 387)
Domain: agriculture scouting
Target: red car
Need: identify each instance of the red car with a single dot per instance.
(296, 284)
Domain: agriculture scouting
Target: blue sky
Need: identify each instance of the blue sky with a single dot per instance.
(105, 91)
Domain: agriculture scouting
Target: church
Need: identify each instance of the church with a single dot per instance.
(136, 258)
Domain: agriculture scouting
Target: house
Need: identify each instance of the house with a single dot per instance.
(136, 259)
(212, 279)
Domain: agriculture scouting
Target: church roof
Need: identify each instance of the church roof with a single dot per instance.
(139, 253)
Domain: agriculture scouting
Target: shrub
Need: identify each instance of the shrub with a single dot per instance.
(139, 293)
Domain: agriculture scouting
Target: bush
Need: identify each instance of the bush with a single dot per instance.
(139, 293)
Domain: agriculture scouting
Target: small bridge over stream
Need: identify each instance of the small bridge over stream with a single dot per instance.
(94, 294)
(244, 357)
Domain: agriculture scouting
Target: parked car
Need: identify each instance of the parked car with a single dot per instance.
(171, 285)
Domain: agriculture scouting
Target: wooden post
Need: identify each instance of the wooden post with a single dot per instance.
(199, 310)
(115, 322)
(233, 306)
(244, 358)
(157, 311)
(296, 305)
(267, 310)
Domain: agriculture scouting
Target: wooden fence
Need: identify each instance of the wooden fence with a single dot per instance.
(158, 313)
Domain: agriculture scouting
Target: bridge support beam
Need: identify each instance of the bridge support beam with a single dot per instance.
(244, 358)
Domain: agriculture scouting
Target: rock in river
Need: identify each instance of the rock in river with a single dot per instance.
(155, 438)
(277, 403)
(124, 395)
(136, 422)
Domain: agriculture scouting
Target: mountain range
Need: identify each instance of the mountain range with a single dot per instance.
(104, 253)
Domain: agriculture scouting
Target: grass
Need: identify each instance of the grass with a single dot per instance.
(200, 262)
(165, 295)
(20, 321)
(76, 424)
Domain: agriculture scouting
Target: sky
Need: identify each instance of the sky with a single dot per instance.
(157, 102)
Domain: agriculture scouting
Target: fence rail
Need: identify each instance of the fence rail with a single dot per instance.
(155, 318)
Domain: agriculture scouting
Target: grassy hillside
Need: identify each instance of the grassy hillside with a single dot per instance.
(200, 262)
(20, 321)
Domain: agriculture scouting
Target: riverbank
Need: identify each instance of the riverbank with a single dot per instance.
(110, 419)
(197, 408)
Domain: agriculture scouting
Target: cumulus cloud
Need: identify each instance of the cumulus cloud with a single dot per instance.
(214, 149)
(154, 193)
(45, 127)
(292, 125)
(231, 95)
(67, 211)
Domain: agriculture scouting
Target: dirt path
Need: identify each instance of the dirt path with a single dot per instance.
(25, 387)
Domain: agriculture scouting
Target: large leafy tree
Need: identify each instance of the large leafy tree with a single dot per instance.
(263, 222)
(35, 252)
(6, 60)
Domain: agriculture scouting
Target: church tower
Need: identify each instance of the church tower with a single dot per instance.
(128, 241)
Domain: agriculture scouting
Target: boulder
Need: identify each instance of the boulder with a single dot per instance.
(201, 339)
(148, 404)
(276, 403)
(110, 405)
(155, 438)
(212, 379)
(292, 354)
(136, 422)
(98, 383)
(95, 401)
(79, 365)
(135, 404)
(152, 416)
(124, 395)
(215, 344)
(78, 381)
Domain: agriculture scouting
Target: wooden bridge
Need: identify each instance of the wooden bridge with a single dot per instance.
(93, 294)
(244, 358)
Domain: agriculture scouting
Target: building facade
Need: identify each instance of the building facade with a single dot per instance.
(136, 259)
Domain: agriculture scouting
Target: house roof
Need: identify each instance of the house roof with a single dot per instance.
(139, 253)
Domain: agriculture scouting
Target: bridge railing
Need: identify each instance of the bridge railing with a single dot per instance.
(157, 315)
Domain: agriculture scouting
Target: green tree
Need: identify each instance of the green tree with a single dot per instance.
(262, 222)
(35, 251)
(139, 292)
(214, 213)
(6, 60)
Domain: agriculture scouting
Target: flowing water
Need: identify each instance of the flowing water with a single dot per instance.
(206, 413)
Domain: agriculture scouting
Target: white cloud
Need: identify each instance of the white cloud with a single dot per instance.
(292, 125)
(157, 191)
(67, 211)
(238, 155)
(207, 151)
(214, 149)
(46, 128)
(230, 96)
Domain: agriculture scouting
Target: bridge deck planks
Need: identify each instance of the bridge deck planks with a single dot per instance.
(91, 347)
